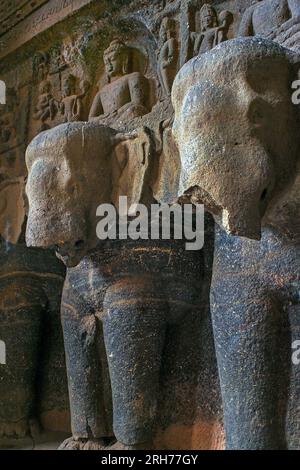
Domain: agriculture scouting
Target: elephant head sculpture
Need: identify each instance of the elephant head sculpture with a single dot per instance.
(70, 176)
(135, 289)
(236, 127)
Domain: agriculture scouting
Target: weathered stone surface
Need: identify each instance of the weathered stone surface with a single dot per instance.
(245, 170)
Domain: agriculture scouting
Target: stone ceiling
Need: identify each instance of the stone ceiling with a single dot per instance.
(14, 11)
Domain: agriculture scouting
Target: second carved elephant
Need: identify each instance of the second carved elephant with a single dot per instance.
(237, 130)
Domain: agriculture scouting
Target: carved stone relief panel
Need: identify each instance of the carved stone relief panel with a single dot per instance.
(278, 20)
(59, 95)
(202, 28)
(13, 129)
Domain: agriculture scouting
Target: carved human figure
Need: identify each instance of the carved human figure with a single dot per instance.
(159, 4)
(33, 385)
(273, 19)
(8, 117)
(71, 105)
(136, 289)
(124, 96)
(57, 61)
(46, 107)
(5, 127)
(40, 66)
(72, 50)
(12, 208)
(168, 54)
(213, 30)
(229, 108)
(2, 92)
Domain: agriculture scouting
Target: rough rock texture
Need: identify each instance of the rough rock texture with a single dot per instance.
(245, 170)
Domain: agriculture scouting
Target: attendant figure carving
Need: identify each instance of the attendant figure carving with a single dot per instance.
(71, 105)
(46, 107)
(278, 20)
(213, 29)
(168, 54)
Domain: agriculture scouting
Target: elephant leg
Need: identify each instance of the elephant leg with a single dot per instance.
(246, 322)
(134, 331)
(20, 332)
(88, 378)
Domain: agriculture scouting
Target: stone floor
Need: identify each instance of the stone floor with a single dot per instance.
(45, 441)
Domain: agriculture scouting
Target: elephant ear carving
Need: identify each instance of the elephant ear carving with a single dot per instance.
(12, 207)
(167, 183)
(134, 166)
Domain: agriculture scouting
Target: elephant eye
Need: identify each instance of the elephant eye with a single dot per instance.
(71, 188)
(259, 111)
(79, 244)
(264, 194)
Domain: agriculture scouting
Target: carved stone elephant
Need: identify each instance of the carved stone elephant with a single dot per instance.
(33, 386)
(238, 135)
(130, 292)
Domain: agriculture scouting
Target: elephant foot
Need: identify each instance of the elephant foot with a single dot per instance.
(73, 443)
(140, 446)
(19, 429)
